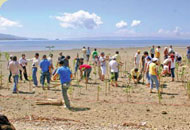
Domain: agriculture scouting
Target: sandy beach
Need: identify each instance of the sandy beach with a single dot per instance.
(116, 109)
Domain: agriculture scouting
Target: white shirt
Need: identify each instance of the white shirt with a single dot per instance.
(14, 67)
(35, 62)
(137, 56)
(113, 65)
(50, 60)
(170, 50)
(22, 61)
(102, 61)
(172, 63)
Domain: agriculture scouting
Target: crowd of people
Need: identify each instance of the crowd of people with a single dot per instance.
(145, 65)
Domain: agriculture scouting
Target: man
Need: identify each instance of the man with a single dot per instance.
(114, 71)
(136, 76)
(94, 55)
(103, 65)
(50, 59)
(84, 52)
(45, 66)
(65, 78)
(171, 50)
(137, 59)
(152, 52)
(86, 69)
(188, 53)
(153, 74)
(14, 68)
(66, 61)
(88, 52)
(148, 61)
(10, 74)
(35, 64)
(23, 63)
(61, 57)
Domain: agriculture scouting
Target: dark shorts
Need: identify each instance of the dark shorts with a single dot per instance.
(114, 76)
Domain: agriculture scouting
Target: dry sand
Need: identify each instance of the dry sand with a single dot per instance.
(115, 109)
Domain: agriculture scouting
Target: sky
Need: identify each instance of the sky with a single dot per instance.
(67, 19)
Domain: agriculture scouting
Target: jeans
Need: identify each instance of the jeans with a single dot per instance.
(148, 77)
(24, 72)
(87, 72)
(34, 76)
(173, 72)
(153, 78)
(15, 83)
(65, 87)
(45, 75)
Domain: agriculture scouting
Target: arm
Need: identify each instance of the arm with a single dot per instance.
(55, 76)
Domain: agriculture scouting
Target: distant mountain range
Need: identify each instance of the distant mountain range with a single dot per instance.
(13, 37)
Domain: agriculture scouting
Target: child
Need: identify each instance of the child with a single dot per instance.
(114, 70)
(173, 61)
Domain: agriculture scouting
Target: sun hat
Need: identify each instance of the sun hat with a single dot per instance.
(139, 51)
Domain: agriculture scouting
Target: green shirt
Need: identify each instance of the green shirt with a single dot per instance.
(95, 53)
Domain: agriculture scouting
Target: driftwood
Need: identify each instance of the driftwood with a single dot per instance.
(50, 102)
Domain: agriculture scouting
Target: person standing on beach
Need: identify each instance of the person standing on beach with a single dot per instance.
(45, 66)
(172, 68)
(23, 63)
(153, 74)
(114, 67)
(66, 61)
(148, 61)
(137, 59)
(94, 55)
(50, 59)
(171, 50)
(14, 67)
(35, 64)
(88, 52)
(157, 54)
(61, 57)
(103, 65)
(10, 74)
(118, 59)
(152, 52)
(165, 53)
(84, 52)
(188, 54)
(65, 78)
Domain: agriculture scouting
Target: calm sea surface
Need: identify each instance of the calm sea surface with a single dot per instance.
(12, 46)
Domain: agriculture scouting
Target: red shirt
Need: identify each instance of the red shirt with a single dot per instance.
(85, 66)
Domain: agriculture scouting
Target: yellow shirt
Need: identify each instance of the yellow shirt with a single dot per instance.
(133, 73)
(157, 54)
(152, 69)
(118, 58)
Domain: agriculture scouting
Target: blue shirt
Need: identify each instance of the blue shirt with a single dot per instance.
(65, 74)
(44, 65)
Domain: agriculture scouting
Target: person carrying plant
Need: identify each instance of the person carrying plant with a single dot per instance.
(65, 78)
(114, 71)
(45, 66)
(153, 74)
(14, 68)
(135, 75)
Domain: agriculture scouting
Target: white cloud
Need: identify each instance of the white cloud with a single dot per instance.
(121, 24)
(135, 23)
(81, 19)
(4, 23)
(177, 31)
